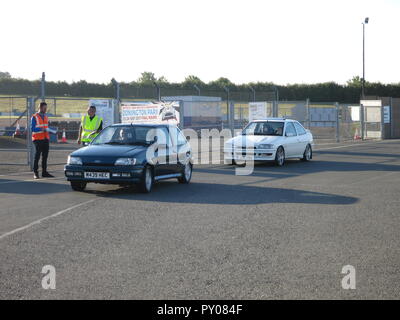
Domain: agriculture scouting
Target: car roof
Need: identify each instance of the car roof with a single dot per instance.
(155, 125)
(273, 119)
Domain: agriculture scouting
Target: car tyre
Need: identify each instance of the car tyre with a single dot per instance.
(307, 156)
(146, 183)
(186, 173)
(78, 185)
(280, 157)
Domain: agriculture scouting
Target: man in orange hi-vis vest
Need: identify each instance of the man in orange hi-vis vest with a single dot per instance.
(41, 139)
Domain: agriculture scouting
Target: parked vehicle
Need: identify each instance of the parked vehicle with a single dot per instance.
(126, 154)
(271, 139)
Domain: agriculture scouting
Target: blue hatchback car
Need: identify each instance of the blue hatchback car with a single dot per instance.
(127, 154)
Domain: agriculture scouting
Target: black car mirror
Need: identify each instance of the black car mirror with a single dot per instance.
(155, 139)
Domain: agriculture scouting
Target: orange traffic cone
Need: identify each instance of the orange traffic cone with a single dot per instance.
(357, 135)
(64, 137)
(17, 130)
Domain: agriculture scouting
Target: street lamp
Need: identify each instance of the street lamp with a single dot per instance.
(363, 77)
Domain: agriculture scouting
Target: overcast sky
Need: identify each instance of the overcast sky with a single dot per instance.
(301, 41)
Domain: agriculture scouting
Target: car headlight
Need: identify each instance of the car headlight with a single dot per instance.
(125, 162)
(265, 146)
(74, 160)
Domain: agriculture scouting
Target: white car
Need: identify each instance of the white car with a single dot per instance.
(271, 139)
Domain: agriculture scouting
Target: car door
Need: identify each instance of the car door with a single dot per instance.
(182, 149)
(302, 137)
(290, 140)
(164, 145)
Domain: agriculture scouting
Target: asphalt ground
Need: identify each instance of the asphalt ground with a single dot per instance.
(280, 233)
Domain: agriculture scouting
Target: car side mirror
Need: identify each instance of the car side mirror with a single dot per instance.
(155, 139)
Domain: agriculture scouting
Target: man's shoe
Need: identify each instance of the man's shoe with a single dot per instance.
(47, 175)
(36, 175)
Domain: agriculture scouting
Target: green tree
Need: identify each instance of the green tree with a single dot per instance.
(191, 80)
(221, 82)
(162, 79)
(147, 78)
(5, 75)
(355, 82)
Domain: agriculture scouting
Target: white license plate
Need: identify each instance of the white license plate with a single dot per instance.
(97, 175)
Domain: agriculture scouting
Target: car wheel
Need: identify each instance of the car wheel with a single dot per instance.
(146, 184)
(186, 173)
(280, 157)
(307, 156)
(78, 186)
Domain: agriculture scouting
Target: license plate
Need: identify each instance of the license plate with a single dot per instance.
(97, 175)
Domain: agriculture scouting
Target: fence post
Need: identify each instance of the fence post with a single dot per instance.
(55, 106)
(362, 121)
(30, 105)
(337, 122)
(181, 114)
(308, 114)
(391, 119)
(42, 87)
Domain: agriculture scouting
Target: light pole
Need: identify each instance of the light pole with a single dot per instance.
(363, 77)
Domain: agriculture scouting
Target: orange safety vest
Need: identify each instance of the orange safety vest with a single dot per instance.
(42, 124)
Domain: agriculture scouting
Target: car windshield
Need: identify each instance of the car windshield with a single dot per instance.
(129, 135)
(264, 128)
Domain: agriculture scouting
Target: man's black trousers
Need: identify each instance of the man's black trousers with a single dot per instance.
(41, 148)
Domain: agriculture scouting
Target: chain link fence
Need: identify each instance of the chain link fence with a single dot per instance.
(212, 110)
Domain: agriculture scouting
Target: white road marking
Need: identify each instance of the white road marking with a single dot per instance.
(4, 235)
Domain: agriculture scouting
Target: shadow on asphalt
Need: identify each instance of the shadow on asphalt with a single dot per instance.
(294, 168)
(32, 187)
(224, 194)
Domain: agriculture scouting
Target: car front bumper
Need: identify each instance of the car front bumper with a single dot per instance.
(249, 154)
(133, 174)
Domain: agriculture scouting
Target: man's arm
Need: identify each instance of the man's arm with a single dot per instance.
(33, 126)
(100, 127)
(79, 135)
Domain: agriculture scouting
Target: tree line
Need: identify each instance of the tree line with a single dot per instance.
(146, 88)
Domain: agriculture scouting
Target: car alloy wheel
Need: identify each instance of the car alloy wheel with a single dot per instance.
(280, 157)
(307, 154)
(148, 179)
(146, 183)
(186, 173)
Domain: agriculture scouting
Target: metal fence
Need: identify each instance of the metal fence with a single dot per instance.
(328, 121)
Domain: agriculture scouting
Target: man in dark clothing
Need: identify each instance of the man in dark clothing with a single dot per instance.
(41, 140)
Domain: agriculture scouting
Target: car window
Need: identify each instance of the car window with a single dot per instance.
(177, 136)
(290, 129)
(163, 136)
(181, 138)
(264, 128)
(299, 128)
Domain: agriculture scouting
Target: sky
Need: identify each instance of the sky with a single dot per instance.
(286, 41)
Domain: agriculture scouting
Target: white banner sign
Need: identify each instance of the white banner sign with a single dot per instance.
(133, 112)
(105, 110)
(257, 110)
